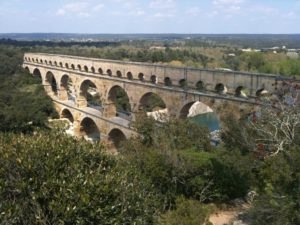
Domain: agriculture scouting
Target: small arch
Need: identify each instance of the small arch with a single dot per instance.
(168, 81)
(153, 79)
(50, 79)
(28, 59)
(151, 102)
(183, 83)
(129, 76)
(261, 92)
(55, 63)
(220, 88)
(100, 71)
(46, 62)
(200, 86)
(79, 67)
(89, 129)
(109, 73)
(241, 91)
(37, 60)
(41, 61)
(50, 63)
(116, 136)
(61, 64)
(66, 113)
(86, 69)
(32, 59)
(141, 77)
(67, 65)
(119, 74)
(25, 59)
(93, 69)
(73, 67)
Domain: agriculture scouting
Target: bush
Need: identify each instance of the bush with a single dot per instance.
(188, 212)
(49, 178)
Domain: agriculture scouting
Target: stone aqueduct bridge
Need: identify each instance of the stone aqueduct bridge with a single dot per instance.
(178, 87)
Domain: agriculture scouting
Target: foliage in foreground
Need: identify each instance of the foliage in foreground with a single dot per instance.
(49, 178)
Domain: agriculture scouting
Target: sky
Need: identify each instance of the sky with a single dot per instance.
(150, 16)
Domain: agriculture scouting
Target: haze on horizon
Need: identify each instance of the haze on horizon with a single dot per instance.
(150, 16)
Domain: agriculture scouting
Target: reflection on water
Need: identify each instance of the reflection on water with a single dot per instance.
(209, 120)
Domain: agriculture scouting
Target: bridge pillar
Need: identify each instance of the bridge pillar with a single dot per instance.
(81, 102)
(77, 128)
(63, 95)
(109, 110)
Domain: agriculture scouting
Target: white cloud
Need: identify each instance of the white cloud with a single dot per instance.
(230, 2)
(80, 9)
(162, 4)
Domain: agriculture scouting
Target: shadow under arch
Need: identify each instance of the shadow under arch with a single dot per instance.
(66, 87)
(51, 81)
(37, 73)
(119, 100)
(66, 114)
(116, 136)
(151, 102)
(89, 129)
(89, 92)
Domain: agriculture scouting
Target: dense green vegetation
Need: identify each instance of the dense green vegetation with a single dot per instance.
(170, 174)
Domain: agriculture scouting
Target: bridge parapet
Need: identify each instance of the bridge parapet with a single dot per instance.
(186, 78)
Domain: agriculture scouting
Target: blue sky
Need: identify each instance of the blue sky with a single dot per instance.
(150, 16)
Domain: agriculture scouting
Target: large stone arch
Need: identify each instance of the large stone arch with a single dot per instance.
(118, 103)
(66, 88)
(51, 83)
(116, 136)
(184, 111)
(89, 129)
(151, 101)
(89, 95)
(37, 73)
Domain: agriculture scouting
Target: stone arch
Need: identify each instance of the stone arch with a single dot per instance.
(86, 69)
(61, 64)
(108, 72)
(66, 113)
(100, 71)
(79, 67)
(241, 91)
(93, 69)
(73, 66)
(168, 81)
(119, 101)
(183, 83)
(27, 69)
(89, 129)
(194, 109)
(151, 102)
(41, 61)
(51, 82)
(66, 88)
(200, 86)
(119, 74)
(141, 77)
(153, 79)
(55, 63)
(129, 76)
(90, 94)
(220, 88)
(67, 65)
(37, 73)
(116, 136)
(261, 92)
(46, 62)
(50, 63)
